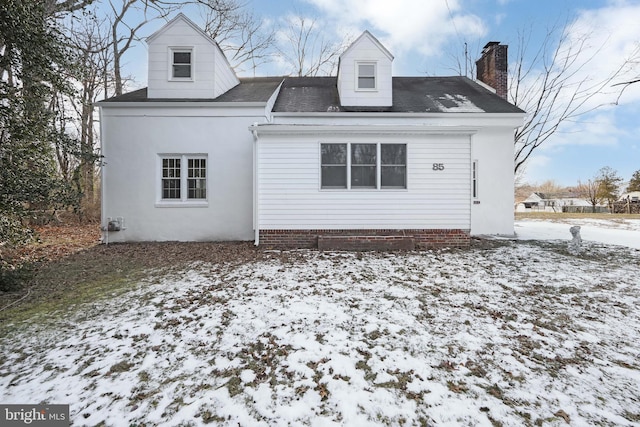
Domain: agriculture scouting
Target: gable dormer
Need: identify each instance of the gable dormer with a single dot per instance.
(364, 74)
(186, 63)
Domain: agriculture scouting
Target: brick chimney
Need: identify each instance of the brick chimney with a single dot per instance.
(492, 67)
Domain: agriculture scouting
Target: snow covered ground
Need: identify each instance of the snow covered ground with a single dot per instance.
(624, 232)
(508, 333)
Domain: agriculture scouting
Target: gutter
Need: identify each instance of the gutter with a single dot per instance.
(178, 103)
(303, 129)
(412, 115)
(256, 207)
(254, 131)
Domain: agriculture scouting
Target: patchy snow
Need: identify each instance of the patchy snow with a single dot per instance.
(510, 333)
(623, 232)
(455, 104)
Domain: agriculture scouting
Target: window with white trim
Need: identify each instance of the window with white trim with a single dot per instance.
(183, 178)
(181, 63)
(197, 178)
(171, 178)
(363, 166)
(366, 75)
(474, 179)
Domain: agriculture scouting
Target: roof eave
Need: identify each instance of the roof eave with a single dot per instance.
(305, 129)
(375, 41)
(514, 115)
(178, 103)
(180, 16)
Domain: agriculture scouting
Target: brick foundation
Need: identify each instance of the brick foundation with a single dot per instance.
(365, 239)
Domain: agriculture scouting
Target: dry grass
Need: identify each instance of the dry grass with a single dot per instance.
(68, 265)
(562, 216)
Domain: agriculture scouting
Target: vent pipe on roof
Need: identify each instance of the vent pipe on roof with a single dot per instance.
(492, 67)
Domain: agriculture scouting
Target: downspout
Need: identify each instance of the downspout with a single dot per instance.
(256, 223)
(103, 182)
(254, 130)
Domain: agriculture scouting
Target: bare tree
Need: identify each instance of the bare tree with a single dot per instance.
(635, 62)
(554, 87)
(550, 187)
(94, 78)
(243, 37)
(604, 186)
(100, 39)
(306, 51)
(590, 191)
(124, 32)
(463, 65)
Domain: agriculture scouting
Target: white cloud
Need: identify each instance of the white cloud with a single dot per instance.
(595, 129)
(601, 40)
(404, 25)
(612, 37)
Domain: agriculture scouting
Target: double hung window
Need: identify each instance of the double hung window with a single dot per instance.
(366, 75)
(171, 172)
(334, 165)
(363, 166)
(197, 178)
(181, 63)
(183, 178)
(393, 165)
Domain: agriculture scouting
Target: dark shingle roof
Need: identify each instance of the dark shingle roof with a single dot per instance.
(410, 95)
(308, 94)
(257, 89)
(320, 94)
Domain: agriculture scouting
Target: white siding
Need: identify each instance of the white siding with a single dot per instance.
(290, 197)
(212, 75)
(365, 49)
(492, 210)
(225, 78)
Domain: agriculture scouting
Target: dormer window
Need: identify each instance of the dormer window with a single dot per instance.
(181, 63)
(366, 75)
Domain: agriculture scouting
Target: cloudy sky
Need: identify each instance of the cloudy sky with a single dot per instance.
(428, 37)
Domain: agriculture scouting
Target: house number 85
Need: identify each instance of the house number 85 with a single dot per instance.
(438, 166)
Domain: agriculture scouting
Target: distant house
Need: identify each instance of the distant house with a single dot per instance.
(296, 161)
(562, 202)
(632, 196)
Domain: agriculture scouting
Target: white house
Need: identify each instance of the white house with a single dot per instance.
(632, 196)
(544, 202)
(358, 159)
